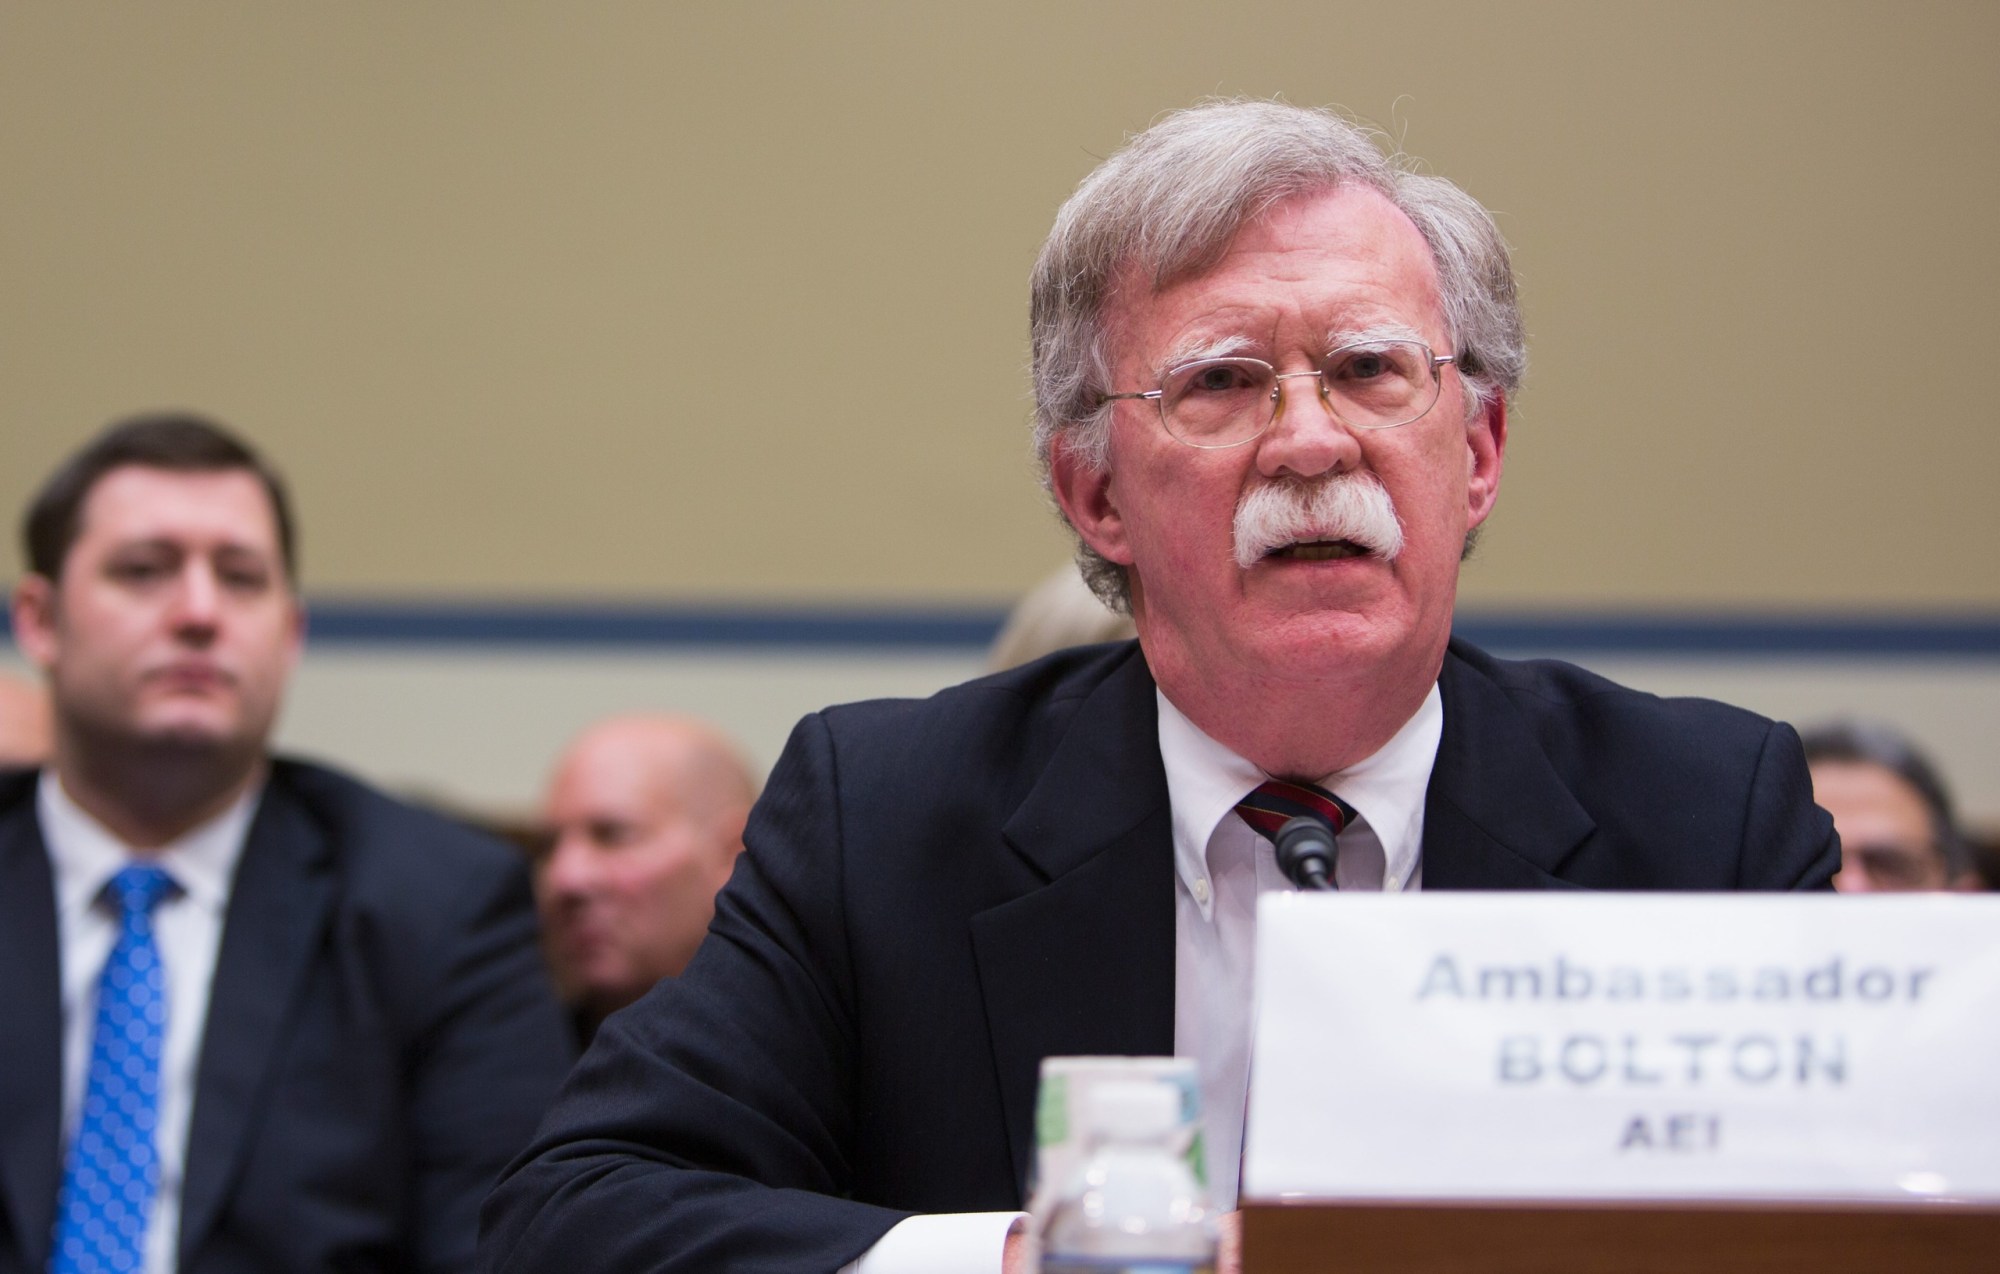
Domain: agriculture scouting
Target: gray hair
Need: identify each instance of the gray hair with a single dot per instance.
(1170, 202)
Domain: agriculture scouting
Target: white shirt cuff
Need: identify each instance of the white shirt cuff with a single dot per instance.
(945, 1243)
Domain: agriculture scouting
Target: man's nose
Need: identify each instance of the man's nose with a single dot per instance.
(566, 873)
(198, 600)
(1852, 878)
(1306, 439)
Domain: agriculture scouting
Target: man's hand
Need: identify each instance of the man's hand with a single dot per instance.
(1015, 1258)
(1229, 1244)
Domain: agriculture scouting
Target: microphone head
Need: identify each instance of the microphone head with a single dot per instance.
(1306, 851)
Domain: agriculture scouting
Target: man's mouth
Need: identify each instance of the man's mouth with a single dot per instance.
(191, 676)
(1329, 519)
(1319, 551)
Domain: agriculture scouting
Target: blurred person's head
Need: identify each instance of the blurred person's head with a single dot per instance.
(160, 605)
(645, 817)
(1055, 614)
(1890, 807)
(25, 728)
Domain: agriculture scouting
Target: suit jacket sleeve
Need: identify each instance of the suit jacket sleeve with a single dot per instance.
(1789, 841)
(484, 1066)
(707, 1127)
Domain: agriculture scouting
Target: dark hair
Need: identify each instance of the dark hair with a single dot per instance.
(179, 442)
(1872, 743)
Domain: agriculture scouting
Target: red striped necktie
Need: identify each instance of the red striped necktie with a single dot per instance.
(1277, 802)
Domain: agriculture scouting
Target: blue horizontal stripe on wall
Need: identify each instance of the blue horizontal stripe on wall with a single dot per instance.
(1734, 635)
(356, 623)
(345, 623)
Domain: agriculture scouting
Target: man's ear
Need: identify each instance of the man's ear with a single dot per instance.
(1486, 439)
(34, 618)
(1086, 497)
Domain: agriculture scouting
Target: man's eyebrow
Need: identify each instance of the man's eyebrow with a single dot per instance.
(144, 544)
(1194, 348)
(1373, 334)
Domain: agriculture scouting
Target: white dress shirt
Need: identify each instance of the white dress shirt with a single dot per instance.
(187, 926)
(1222, 865)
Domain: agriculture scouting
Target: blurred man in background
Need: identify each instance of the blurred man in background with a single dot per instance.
(1891, 809)
(258, 1015)
(1056, 614)
(645, 818)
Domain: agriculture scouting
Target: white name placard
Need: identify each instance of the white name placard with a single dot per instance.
(1625, 1046)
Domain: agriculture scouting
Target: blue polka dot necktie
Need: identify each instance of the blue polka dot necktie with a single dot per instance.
(113, 1166)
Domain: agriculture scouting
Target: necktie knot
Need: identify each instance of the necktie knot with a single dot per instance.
(1277, 802)
(138, 888)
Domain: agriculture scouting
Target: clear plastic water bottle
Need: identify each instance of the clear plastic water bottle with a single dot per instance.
(1134, 1206)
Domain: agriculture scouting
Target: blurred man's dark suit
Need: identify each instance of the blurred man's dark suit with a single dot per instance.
(938, 894)
(380, 1040)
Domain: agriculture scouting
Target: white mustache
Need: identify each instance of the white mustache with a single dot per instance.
(1350, 506)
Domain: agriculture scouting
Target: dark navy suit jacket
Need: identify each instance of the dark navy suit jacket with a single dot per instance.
(938, 894)
(381, 1038)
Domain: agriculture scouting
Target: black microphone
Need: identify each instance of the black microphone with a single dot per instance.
(1306, 852)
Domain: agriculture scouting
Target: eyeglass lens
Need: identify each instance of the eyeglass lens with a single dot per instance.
(1375, 385)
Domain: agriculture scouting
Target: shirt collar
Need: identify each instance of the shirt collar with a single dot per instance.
(1205, 780)
(85, 854)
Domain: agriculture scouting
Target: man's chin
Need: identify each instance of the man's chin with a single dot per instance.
(605, 995)
(1326, 636)
(195, 737)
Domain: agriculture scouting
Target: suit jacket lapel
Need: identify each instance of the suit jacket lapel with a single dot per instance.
(1085, 964)
(31, 1040)
(278, 906)
(1497, 815)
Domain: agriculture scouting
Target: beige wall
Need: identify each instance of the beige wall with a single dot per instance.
(709, 300)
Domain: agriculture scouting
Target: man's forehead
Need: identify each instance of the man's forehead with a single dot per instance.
(606, 772)
(591, 800)
(227, 507)
(1348, 255)
(1867, 780)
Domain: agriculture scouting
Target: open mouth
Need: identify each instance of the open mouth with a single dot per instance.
(1319, 551)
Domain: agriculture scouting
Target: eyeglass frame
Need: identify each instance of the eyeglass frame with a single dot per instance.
(1436, 360)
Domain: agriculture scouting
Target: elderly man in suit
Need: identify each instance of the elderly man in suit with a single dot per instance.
(1272, 375)
(259, 1016)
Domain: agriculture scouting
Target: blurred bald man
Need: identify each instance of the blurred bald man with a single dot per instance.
(645, 818)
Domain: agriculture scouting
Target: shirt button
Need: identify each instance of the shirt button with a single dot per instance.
(1201, 890)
